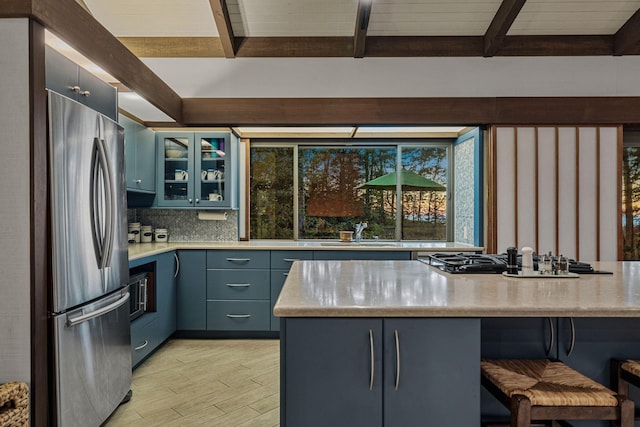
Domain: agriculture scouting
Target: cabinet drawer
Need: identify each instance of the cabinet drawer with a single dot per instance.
(144, 338)
(238, 315)
(238, 284)
(282, 260)
(238, 259)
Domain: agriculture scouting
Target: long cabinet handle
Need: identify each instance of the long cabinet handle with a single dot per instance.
(395, 333)
(143, 345)
(373, 362)
(177, 265)
(238, 285)
(291, 259)
(551, 335)
(573, 336)
(238, 316)
(238, 259)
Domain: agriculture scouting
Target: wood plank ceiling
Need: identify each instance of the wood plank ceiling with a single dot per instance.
(372, 28)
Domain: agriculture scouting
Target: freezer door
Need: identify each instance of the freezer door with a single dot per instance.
(88, 203)
(92, 360)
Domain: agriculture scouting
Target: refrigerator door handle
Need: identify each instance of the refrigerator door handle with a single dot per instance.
(99, 312)
(101, 167)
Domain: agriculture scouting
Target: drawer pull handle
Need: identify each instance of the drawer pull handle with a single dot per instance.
(238, 259)
(397, 359)
(146, 343)
(238, 285)
(238, 316)
(285, 274)
(291, 259)
(372, 372)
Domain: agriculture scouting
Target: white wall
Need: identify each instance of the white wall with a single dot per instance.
(400, 77)
(14, 210)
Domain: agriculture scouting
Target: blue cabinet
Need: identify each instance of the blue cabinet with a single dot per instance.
(380, 372)
(197, 170)
(191, 294)
(166, 296)
(281, 262)
(67, 78)
(238, 290)
(140, 155)
(159, 323)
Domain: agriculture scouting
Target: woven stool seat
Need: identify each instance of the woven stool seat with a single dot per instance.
(632, 366)
(549, 391)
(14, 404)
(546, 383)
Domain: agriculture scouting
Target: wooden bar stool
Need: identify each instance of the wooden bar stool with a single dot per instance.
(549, 391)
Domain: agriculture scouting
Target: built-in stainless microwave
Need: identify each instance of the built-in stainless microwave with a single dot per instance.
(139, 290)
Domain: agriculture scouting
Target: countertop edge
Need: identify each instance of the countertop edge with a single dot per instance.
(142, 250)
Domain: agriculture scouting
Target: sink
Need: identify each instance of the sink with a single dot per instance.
(356, 244)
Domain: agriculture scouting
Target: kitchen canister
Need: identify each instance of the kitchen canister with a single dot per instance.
(162, 235)
(134, 228)
(147, 234)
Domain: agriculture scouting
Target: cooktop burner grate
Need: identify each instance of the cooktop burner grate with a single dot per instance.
(490, 264)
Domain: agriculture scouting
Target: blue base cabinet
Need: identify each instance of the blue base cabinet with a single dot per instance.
(380, 372)
(191, 296)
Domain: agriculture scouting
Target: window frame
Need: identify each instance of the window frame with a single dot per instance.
(398, 143)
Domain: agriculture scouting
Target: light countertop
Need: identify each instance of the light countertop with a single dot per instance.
(142, 250)
(414, 289)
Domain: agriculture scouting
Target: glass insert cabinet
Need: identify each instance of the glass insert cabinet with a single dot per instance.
(195, 170)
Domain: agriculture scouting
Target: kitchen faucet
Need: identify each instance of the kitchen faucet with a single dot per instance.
(359, 227)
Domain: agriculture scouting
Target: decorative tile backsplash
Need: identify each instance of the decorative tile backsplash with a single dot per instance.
(464, 192)
(184, 225)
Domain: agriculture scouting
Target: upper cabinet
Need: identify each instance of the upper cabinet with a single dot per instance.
(197, 170)
(140, 155)
(67, 78)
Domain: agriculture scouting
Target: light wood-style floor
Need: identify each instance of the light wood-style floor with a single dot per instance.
(206, 383)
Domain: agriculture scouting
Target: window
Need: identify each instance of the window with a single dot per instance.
(631, 201)
(328, 188)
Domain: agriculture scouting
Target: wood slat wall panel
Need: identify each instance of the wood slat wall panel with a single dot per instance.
(526, 190)
(506, 175)
(565, 184)
(567, 197)
(587, 226)
(547, 176)
(610, 193)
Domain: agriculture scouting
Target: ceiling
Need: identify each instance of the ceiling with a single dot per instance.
(218, 48)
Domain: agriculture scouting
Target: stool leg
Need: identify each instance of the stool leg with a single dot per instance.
(627, 411)
(520, 411)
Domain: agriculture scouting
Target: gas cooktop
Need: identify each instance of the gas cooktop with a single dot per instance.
(493, 264)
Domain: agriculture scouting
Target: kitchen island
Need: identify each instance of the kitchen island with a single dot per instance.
(399, 342)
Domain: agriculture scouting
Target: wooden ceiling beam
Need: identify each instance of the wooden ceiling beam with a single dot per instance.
(502, 21)
(295, 47)
(557, 46)
(410, 111)
(628, 36)
(362, 25)
(174, 47)
(417, 46)
(225, 30)
(377, 46)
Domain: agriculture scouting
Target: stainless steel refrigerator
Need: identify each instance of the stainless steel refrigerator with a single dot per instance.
(90, 307)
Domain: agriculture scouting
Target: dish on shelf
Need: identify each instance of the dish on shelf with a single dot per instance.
(175, 154)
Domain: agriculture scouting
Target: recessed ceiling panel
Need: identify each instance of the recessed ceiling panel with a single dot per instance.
(303, 18)
(573, 17)
(431, 17)
(155, 18)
